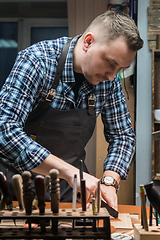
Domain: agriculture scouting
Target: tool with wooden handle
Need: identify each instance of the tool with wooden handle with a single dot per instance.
(17, 186)
(143, 206)
(27, 191)
(55, 195)
(55, 190)
(35, 200)
(4, 186)
(39, 182)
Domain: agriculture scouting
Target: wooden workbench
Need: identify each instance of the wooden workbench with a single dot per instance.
(131, 209)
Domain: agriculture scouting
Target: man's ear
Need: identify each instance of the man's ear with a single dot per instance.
(87, 41)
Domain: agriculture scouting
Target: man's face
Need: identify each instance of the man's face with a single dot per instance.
(102, 62)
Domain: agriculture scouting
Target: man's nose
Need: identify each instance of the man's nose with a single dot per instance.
(111, 76)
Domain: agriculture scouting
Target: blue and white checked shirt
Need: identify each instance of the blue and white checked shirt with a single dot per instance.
(28, 84)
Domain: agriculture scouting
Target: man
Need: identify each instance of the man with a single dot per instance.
(89, 85)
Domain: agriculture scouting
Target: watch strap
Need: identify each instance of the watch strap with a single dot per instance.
(114, 184)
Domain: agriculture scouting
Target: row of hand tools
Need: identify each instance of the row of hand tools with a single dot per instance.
(23, 187)
(25, 194)
(30, 199)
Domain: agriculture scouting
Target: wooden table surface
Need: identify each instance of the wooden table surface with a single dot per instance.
(132, 209)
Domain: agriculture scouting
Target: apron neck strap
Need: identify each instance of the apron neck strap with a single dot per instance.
(59, 71)
(91, 102)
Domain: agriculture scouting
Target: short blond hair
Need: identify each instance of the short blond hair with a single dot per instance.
(113, 24)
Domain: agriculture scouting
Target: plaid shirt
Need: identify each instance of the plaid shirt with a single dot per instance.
(28, 84)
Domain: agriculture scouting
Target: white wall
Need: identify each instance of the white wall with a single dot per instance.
(143, 119)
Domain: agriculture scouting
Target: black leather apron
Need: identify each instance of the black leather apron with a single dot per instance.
(64, 133)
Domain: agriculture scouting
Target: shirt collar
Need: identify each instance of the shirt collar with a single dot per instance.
(68, 74)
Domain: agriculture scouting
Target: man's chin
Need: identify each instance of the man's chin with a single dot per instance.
(93, 82)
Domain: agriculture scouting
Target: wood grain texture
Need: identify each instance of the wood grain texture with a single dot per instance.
(141, 234)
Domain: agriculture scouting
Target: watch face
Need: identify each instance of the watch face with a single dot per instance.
(108, 180)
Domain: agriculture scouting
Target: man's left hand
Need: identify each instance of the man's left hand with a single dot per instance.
(108, 193)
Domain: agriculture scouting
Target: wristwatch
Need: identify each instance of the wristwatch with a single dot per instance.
(110, 181)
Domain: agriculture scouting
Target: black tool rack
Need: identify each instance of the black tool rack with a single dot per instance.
(49, 232)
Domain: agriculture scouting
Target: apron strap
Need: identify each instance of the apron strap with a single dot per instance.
(91, 103)
(59, 71)
(51, 94)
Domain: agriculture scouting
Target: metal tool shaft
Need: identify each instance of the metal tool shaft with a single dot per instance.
(74, 199)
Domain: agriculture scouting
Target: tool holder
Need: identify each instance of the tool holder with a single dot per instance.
(48, 232)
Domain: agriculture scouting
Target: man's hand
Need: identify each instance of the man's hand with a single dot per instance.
(108, 193)
(67, 171)
(91, 185)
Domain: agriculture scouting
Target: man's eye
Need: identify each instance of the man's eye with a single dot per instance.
(110, 63)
